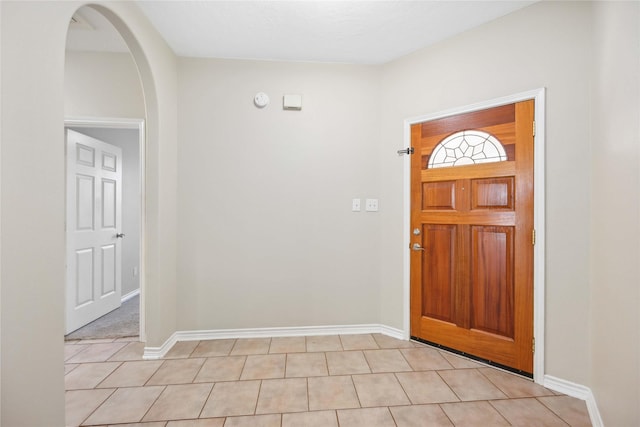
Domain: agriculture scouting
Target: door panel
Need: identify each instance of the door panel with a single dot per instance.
(94, 192)
(108, 270)
(109, 204)
(439, 269)
(492, 279)
(83, 283)
(472, 285)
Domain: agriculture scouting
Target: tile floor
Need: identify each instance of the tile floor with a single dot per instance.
(366, 380)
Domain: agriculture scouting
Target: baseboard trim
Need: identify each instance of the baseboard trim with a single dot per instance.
(151, 353)
(159, 352)
(578, 391)
(130, 295)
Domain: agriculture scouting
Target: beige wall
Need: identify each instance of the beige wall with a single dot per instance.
(545, 45)
(32, 199)
(102, 85)
(615, 208)
(267, 237)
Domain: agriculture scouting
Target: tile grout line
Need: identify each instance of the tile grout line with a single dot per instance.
(151, 406)
(96, 408)
(437, 371)
(206, 400)
(550, 409)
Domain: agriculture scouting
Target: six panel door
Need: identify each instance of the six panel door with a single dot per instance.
(94, 192)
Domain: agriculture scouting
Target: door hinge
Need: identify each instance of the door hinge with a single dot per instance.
(405, 151)
(533, 345)
(533, 237)
(534, 128)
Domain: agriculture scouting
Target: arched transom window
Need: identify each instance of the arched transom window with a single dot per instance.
(467, 147)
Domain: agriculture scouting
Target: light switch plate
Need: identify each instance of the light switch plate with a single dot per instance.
(371, 205)
(355, 205)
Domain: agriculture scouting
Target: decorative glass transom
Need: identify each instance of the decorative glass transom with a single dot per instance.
(467, 147)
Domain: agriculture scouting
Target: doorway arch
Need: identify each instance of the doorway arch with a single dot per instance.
(156, 71)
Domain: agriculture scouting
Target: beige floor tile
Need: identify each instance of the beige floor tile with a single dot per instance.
(285, 395)
(79, 404)
(324, 343)
(421, 415)
(131, 374)
(573, 411)
(460, 362)
(275, 382)
(88, 375)
(221, 369)
(385, 341)
(232, 398)
(212, 348)
(209, 422)
(247, 346)
(306, 365)
(379, 390)
(369, 417)
(358, 342)
(347, 362)
(181, 349)
(386, 361)
(68, 367)
(71, 350)
(125, 405)
(179, 402)
(97, 353)
(310, 419)
(288, 345)
(472, 414)
(179, 371)
(264, 367)
(131, 351)
(332, 393)
(469, 384)
(255, 421)
(513, 385)
(527, 412)
(426, 387)
(425, 359)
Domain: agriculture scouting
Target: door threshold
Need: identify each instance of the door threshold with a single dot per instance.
(476, 358)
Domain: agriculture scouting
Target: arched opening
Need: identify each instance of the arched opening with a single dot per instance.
(104, 105)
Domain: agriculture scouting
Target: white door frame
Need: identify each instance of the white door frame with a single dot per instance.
(538, 214)
(139, 125)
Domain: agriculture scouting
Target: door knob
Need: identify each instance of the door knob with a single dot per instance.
(119, 235)
(417, 247)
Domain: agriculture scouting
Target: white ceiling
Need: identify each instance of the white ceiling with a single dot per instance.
(361, 32)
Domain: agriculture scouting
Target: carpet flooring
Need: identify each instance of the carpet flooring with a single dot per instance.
(121, 322)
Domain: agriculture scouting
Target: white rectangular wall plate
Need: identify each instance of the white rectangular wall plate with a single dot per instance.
(355, 205)
(292, 102)
(371, 205)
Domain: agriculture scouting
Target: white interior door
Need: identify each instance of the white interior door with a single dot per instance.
(94, 218)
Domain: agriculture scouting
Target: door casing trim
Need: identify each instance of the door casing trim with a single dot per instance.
(538, 95)
(139, 125)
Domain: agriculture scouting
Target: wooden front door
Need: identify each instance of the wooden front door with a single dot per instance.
(472, 234)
